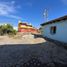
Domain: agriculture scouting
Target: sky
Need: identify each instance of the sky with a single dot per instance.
(31, 11)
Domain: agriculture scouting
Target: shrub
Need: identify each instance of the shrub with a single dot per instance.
(7, 29)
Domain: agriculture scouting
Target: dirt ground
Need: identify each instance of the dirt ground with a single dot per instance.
(19, 39)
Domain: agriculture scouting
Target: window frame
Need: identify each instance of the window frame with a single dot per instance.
(53, 30)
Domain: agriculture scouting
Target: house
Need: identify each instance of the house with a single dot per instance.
(25, 28)
(55, 29)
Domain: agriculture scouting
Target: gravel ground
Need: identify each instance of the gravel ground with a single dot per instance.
(43, 54)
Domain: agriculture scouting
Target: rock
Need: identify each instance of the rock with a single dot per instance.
(28, 36)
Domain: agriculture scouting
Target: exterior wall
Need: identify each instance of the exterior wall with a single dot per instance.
(28, 30)
(22, 30)
(23, 27)
(61, 31)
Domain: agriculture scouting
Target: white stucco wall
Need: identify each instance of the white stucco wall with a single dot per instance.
(61, 31)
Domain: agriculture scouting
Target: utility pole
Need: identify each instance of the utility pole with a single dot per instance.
(46, 15)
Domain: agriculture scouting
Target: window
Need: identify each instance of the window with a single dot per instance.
(53, 30)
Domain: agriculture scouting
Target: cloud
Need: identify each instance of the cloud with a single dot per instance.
(13, 2)
(9, 9)
(14, 17)
(16, 28)
(64, 2)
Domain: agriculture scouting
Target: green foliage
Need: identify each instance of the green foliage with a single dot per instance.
(7, 29)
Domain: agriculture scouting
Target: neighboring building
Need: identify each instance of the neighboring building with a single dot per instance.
(24, 27)
(55, 29)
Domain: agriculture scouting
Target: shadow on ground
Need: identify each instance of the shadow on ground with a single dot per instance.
(32, 55)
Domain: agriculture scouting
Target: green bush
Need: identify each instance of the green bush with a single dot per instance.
(7, 29)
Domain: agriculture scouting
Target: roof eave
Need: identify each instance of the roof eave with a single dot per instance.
(55, 20)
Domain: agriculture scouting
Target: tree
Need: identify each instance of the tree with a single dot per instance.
(7, 29)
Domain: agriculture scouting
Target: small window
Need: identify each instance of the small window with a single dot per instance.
(53, 30)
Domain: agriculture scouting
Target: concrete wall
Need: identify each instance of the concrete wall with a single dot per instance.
(61, 31)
